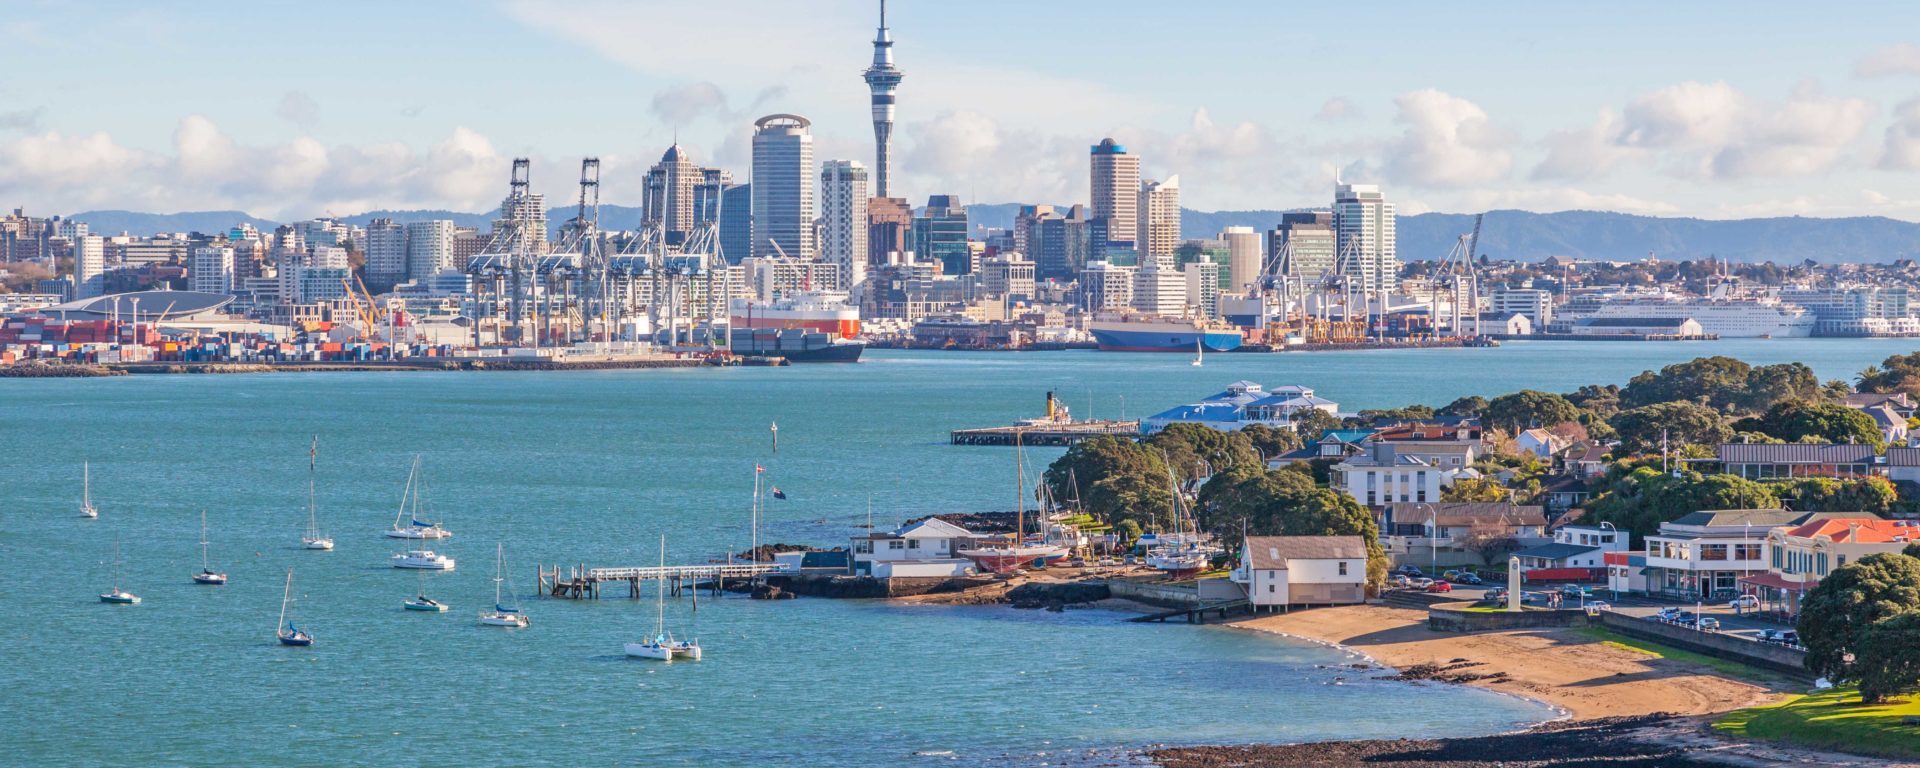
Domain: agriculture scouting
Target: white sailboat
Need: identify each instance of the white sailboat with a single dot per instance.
(118, 596)
(1182, 555)
(423, 560)
(1016, 553)
(410, 509)
(285, 631)
(501, 615)
(314, 538)
(1199, 353)
(206, 575)
(663, 647)
(86, 492)
(420, 601)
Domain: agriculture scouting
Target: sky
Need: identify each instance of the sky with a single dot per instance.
(295, 109)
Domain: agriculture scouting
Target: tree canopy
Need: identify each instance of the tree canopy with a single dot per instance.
(1286, 502)
(1874, 495)
(1838, 615)
(1471, 405)
(1195, 451)
(1899, 373)
(1723, 383)
(1797, 421)
(1115, 479)
(1639, 498)
(1640, 429)
(1526, 409)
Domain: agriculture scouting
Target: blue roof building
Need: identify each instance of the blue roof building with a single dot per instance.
(1240, 404)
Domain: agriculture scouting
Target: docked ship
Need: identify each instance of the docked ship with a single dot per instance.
(1153, 333)
(1729, 317)
(803, 327)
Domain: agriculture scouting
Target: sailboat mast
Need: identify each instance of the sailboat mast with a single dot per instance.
(1019, 494)
(660, 591)
(285, 596)
(406, 494)
(499, 558)
(203, 540)
(313, 521)
(86, 484)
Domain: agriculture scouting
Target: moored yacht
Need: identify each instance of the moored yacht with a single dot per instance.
(502, 614)
(414, 528)
(423, 559)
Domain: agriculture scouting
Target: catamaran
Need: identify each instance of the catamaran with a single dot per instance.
(206, 574)
(118, 596)
(410, 509)
(420, 601)
(1016, 552)
(423, 559)
(287, 633)
(501, 615)
(314, 539)
(86, 492)
(663, 647)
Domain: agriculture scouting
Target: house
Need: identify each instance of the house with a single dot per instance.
(1898, 401)
(1333, 444)
(1503, 324)
(1404, 471)
(1241, 404)
(1574, 547)
(1893, 426)
(1285, 571)
(1444, 533)
(925, 548)
(1903, 464)
(1766, 461)
(1540, 442)
(1703, 555)
(1585, 459)
(1799, 557)
(1565, 492)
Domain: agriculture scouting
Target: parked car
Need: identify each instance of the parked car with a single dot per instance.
(1599, 605)
(1668, 615)
(1684, 618)
(1465, 578)
(1574, 590)
(1781, 636)
(1439, 586)
(1411, 571)
(1450, 573)
(1708, 624)
(1744, 603)
(1495, 595)
(1421, 583)
(1400, 580)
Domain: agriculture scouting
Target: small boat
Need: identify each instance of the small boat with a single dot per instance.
(420, 601)
(410, 509)
(314, 539)
(423, 559)
(206, 574)
(118, 596)
(502, 615)
(1199, 353)
(1016, 553)
(285, 631)
(663, 647)
(86, 492)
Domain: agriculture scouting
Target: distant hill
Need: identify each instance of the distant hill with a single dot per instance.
(1505, 234)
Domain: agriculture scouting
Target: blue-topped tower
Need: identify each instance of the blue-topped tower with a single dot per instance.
(882, 78)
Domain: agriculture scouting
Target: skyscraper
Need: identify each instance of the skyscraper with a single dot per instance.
(843, 218)
(736, 222)
(1303, 245)
(666, 199)
(889, 231)
(881, 79)
(89, 264)
(386, 254)
(211, 270)
(1243, 257)
(940, 234)
(783, 187)
(1116, 188)
(1159, 227)
(707, 192)
(430, 248)
(1363, 224)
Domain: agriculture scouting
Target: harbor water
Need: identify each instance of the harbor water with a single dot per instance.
(592, 467)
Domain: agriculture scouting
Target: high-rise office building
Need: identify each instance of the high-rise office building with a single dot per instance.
(707, 195)
(1203, 287)
(881, 79)
(666, 195)
(736, 222)
(430, 249)
(1115, 177)
(1244, 257)
(1213, 251)
(386, 253)
(1303, 246)
(1159, 288)
(211, 269)
(524, 215)
(889, 231)
(1158, 230)
(843, 218)
(89, 264)
(1363, 225)
(940, 234)
(783, 187)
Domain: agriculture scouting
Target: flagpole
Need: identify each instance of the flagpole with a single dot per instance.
(753, 547)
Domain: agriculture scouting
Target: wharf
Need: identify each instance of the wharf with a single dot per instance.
(581, 582)
(1066, 433)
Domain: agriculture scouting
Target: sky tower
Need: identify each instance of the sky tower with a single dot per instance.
(881, 78)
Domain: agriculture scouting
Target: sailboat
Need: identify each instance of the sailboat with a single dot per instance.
(420, 601)
(118, 596)
(1183, 556)
(285, 630)
(410, 509)
(314, 539)
(86, 492)
(1000, 559)
(663, 647)
(501, 615)
(206, 574)
(1199, 353)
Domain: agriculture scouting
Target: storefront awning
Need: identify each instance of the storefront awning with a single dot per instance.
(1776, 581)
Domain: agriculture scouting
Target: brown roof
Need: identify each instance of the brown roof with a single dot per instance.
(1468, 512)
(1795, 453)
(1271, 553)
(1903, 457)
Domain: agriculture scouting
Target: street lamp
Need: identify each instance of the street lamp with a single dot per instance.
(1605, 526)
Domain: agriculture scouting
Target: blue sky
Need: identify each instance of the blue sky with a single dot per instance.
(285, 109)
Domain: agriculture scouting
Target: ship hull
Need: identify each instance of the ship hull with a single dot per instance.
(1171, 339)
(831, 353)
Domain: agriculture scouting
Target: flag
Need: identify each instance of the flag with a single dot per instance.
(779, 494)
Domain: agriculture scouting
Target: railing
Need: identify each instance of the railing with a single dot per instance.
(683, 571)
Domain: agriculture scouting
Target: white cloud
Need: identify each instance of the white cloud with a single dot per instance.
(1686, 114)
(1896, 59)
(1901, 151)
(1448, 142)
(298, 108)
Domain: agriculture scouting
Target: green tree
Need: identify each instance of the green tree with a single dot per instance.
(1637, 497)
(1088, 464)
(1526, 409)
(1899, 373)
(1873, 495)
(1837, 614)
(1770, 384)
(1717, 381)
(1312, 423)
(1471, 405)
(1911, 550)
(1640, 429)
(1287, 503)
(1192, 449)
(1886, 663)
(1797, 421)
(1475, 489)
(1270, 442)
(1600, 399)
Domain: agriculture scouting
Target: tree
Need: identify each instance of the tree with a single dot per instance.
(1490, 540)
(1287, 503)
(1797, 421)
(1873, 495)
(1601, 399)
(1770, 384)
(1911, 550)
(1270, 442)
(1837, 614)
(1715, 381)
(1640, 429)
(1404, 413)
(1471, 405)
(1313, 422)
(1475, 489)
(1638, 497)
(1193, 449)
(1899, 373)
(1526, 409)
(1081, 471)
(1886, 664)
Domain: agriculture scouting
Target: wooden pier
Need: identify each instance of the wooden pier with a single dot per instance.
(583, 583)
(1066, 433)
(1197, 614)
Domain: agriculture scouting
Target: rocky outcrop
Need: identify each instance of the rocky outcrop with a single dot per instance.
(1056, 595)
(40, 370)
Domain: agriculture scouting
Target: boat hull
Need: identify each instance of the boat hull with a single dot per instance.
(1003, 560)
(300, 640)
(428, 607)
(325, 545)
(419, 533)
(210, 579)
(412, 565)
(120, 599)
(510, 621)
(649, 651)
(1146, 337)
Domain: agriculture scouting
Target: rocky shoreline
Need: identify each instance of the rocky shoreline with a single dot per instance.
(1643, 741)
(36, 370)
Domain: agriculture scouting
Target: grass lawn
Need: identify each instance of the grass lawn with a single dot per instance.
(1614, 639)
(1832, 719)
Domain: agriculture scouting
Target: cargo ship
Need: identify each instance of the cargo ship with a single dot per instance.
(803, 327)
(1152, 333)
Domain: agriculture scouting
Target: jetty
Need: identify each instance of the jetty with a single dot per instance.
(1051, 433)
(583, 583)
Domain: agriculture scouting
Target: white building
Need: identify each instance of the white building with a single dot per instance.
(1535, 303)
(89, 264)
(1390, 471)
(768, 277)
(1575, 546)
(1106, 286)
(1284, 571)
(328, 256)
(1799, 557)
(783, 187)
(386, 251)
(1703, 555)
(1009, 275)
(925, 548)
(843, 219)
(430, 248)
(1203, 287)
(211, 269)
(1241, 404)
(1158, 231)
(1244, 256)
(1363, 225)
(1159, 289)
(315, 284)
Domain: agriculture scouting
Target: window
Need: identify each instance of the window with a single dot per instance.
(896, 544)
(1343, 567)
(1715, 552)
(1820, 564)
(1746, 551)
(913, 544)
(1777, 565)
(1269, 588)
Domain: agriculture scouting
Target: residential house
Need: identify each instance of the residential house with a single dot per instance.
(1898, 401)
(1903, 465)
(1800, 556)
(1285, 571)
(1766, 461)
(1585, 459)
(1574, 546)
(1390, 471)
(1565, 492)
(1703, 555)
(1332, 444)
(1540, 442)
(1893, 426)
(925, 548)
(1241, 404)
(1444, 533)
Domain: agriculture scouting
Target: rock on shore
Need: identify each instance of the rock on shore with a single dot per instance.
(1615, 742)
(40, 370)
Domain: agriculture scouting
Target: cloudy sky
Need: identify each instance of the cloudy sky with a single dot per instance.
(285, 109)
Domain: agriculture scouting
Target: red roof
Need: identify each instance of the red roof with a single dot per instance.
(1858, 530)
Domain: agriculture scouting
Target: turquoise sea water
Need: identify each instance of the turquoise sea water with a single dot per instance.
(592, 467)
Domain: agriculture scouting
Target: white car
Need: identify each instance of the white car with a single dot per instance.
(1744, 602)
(1599, 605)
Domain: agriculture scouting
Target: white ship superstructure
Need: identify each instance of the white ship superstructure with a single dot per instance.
(1729, 317)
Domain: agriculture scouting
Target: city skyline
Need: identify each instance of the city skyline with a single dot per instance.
(1798, 115)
